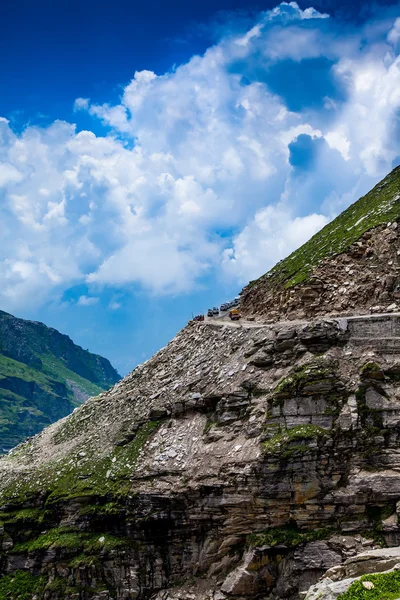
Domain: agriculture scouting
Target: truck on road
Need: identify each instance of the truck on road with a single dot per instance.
(234, 315)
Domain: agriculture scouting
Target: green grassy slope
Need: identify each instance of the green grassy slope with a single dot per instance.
(380, 205)
(43, 377)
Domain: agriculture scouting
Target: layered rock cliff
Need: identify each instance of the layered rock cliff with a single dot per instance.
(241, 461)
(43, 377)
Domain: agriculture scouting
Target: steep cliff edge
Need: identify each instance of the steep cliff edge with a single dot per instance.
(241, 461)
(43, 376)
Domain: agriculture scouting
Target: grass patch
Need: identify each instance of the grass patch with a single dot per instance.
(84, 560)
(71, 540)
(386, 587)
(21, 585)
(13, 368)
(56, 538)
(282, 443)
(307, 379)
(57, 369)
(379, 206)
(109, 509)
(43, 377)
(287, 536)
(31, 399)
(106, 477)
(25, 515)
(211, 422)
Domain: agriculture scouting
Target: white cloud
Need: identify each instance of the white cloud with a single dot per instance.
(9, 174)
(272, 234)
(155, 262)
(394, 34)
(81, 104)
(87, 300)
(370, 114)
(292, 11)
(194, 176)
(338, 140)
(114, 305)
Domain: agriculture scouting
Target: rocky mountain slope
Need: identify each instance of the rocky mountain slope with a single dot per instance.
(351, 266)
(43, 377)
(241, 461)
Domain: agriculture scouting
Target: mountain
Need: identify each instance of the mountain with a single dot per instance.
(242, 461)
(43, 377)
(350, 265)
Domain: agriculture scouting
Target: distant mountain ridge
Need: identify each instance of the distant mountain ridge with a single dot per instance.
(43, 377)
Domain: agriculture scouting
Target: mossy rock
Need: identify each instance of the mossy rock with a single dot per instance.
(71, 540)
(285, 443)
(371, 370)
(369, 417)
(105, 477)
(386, 586)
(314, 377)
(289, 536)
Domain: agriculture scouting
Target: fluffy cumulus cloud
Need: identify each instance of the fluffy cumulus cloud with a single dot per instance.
(273, 233)
(218, 168)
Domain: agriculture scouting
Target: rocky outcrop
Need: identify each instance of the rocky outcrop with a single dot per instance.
(212, 471)
(364, 279)
(362, 569)
(350, 267)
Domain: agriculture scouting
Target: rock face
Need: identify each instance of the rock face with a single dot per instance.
(43, 376)
(364, 279)
(209, 469)
(242, 461)
(361, 567)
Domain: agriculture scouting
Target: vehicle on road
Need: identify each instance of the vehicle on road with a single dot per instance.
(223, 307)
(198, 318)
(236, 302)
(215, 310)
(234, 315)
(210, 312)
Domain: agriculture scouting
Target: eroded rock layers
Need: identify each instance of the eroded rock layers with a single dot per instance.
(239, 462)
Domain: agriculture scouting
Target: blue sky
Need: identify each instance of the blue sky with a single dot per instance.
(155, 157)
